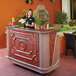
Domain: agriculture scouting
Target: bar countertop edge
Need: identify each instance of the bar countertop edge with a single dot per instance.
(31, 30)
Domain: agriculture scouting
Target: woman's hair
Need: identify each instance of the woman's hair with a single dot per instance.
(28, 11)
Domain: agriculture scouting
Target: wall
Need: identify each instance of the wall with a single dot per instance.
(66, 8)
(11, 8)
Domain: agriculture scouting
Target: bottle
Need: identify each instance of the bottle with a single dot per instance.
(38, 26)
(47, 26)
(44, 26)
(10, 24)
(41, 26)
(27, 23)
(13, 21)
(35, 26)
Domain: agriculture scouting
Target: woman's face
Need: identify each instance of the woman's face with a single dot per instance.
(29, 13)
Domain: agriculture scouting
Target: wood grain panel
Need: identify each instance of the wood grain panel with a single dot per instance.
(24, 46)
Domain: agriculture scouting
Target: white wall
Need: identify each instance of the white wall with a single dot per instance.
(66, 8)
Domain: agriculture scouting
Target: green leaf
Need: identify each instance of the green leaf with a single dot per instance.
(61, 17)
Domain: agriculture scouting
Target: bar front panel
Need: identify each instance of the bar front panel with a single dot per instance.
(24, 46)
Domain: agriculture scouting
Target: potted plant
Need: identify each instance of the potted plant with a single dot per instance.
(72, 22)
(37, 20)
(19, 17)
(61, 17)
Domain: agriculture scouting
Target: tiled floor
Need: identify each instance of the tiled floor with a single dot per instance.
(67, 67)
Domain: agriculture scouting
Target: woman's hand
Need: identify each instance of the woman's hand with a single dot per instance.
(21, 20)
(30, 25)
(27, 25)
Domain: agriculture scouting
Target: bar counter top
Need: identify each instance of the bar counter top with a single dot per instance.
(32, 30)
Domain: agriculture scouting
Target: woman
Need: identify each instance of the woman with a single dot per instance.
(29, 19)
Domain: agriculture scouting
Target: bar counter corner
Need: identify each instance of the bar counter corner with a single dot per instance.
(37, 50)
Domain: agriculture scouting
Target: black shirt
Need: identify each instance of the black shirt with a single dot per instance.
(29, 20)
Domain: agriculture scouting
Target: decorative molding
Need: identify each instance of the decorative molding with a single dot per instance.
(22, 33)
(21, 44)
(24, 44)
(12, 34)
(28, 53)
(21, 38)
(33, 67)
(25, 57)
